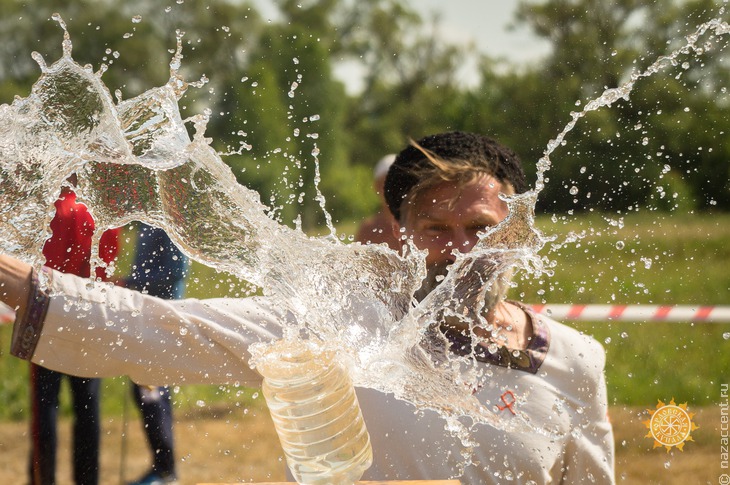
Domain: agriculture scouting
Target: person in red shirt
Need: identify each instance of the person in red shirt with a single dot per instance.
(68, 250)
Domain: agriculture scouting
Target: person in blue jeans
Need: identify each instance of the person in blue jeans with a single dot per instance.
(159, 269)
(68, 250)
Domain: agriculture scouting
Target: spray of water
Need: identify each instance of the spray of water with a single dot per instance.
(716, 27)
(136, 162)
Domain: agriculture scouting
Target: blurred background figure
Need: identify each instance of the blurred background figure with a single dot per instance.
(159, 269)
(379, 227)
(68, 250)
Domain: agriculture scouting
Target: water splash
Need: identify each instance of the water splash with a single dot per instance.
(136, 162)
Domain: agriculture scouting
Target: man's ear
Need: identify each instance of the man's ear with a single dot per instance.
(395, 227)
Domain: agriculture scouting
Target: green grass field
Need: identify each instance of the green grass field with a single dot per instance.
(643, 258)
(679, 259)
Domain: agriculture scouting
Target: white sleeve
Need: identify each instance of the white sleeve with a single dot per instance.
(97, 330)
(590, 447)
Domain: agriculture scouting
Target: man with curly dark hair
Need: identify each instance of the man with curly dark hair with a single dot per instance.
(445, 190)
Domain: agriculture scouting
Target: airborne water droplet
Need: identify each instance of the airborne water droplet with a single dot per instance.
(620, 245)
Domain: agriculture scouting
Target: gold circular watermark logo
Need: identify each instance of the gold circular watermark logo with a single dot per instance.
(670, 425)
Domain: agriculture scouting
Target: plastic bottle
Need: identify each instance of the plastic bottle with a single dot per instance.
(316, 414)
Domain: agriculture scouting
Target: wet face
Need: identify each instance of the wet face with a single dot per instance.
(449, 217)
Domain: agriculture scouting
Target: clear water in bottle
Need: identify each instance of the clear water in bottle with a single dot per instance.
(316, 414)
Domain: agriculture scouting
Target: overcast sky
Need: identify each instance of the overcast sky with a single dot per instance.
(484, 22)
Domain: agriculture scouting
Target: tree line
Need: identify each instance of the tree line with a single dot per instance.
(276, 102)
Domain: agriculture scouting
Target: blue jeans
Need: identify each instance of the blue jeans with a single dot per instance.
(45, 386)
(156, 407)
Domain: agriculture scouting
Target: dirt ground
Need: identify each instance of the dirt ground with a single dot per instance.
(212, 446)
(229, 446)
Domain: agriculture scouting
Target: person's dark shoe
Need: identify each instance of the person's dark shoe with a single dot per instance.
(154, 478)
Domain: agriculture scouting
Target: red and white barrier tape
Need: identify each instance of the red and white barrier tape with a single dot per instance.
(636, 313)
(6, 314)
(597, 313)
